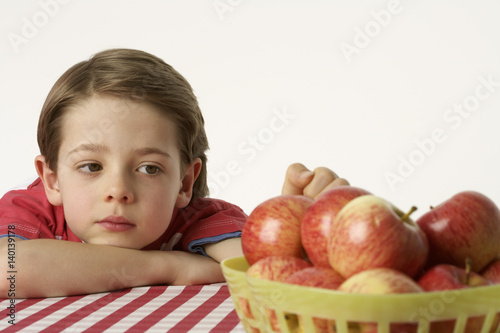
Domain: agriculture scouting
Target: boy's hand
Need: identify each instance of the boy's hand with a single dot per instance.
(302, 181)
(190, 268)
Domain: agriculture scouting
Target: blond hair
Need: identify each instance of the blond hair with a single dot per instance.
(141, 77)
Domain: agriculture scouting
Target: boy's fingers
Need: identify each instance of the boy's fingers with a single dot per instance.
(299, 180)
(296, 179)
(323, 180)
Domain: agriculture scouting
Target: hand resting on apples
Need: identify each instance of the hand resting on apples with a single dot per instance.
(302, 181)
(298, 180)
(273, 227)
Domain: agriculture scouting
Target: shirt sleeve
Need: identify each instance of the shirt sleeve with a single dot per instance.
(210, 221)
(27, 214)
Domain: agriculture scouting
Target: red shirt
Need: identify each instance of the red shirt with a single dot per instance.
(27, 214)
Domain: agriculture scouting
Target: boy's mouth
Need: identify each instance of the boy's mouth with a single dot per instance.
(116, 223)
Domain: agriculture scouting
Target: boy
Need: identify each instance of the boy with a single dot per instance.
(121, 196)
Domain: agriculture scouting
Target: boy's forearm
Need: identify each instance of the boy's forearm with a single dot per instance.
(47, 268)
(224, 249)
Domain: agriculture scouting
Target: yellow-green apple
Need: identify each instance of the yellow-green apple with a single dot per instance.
(465, 226)
(276, 268)
(449, 277)
(315, 229)
(379, 281)
(319, 277)
(273, 228)
(492, 271)
(370, 232)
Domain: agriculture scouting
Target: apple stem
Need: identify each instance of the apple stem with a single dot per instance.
(431, 207)
(468, 264)
(407, 215)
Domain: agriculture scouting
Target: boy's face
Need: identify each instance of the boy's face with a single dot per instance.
(119, 172)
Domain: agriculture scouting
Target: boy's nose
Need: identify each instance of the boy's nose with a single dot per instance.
(119, 189)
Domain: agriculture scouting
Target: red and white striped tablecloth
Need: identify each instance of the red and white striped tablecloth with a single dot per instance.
(206, 308)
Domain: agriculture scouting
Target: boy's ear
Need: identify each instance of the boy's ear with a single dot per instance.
(186, 190)
(49, 179)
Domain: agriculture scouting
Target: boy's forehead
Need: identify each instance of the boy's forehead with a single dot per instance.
(97, 118)
(107, 109)
(120, 106)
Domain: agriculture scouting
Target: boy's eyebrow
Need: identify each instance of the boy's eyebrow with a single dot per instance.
(97, 148)
(151, 151)
(92, 147)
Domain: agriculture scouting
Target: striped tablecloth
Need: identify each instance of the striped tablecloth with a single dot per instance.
(207, 308)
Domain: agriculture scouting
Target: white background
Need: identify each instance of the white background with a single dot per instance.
(365, 85)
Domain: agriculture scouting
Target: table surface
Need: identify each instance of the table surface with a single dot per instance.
(200, 308)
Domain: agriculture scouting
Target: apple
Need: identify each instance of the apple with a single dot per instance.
(273, 228)
(370, 232)
(316, 276)
(381, 281)
(465, 226)
(315, 229)
(450, 277)
(276, 268)
(492, 271)
(245, 307)
(319, 277)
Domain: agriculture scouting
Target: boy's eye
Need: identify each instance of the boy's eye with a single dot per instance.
(149, 169)
(90, 167)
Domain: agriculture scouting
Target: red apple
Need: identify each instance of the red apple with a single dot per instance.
(273, 228)
(319, 277)
(492, 271)
(381, 281)
(450, 277)
(315, 229)
(276, 268)
(245, 307)
(465, 226)
(369, 232)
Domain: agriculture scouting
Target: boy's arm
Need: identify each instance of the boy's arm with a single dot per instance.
(224, 249)
(48, 268)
